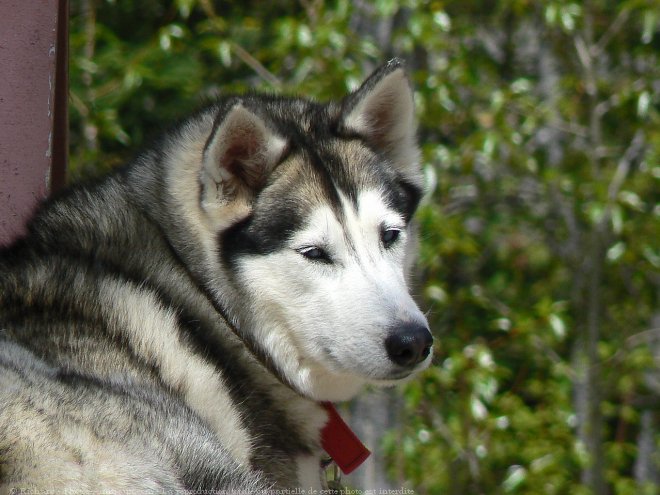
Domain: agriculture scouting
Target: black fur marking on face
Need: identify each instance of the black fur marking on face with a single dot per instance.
(405, 197)
(265, 231)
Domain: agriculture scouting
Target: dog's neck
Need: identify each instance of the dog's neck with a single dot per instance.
(337, 438)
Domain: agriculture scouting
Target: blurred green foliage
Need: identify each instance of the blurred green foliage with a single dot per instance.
(540, 127)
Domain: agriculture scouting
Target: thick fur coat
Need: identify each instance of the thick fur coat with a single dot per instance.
(174, 325)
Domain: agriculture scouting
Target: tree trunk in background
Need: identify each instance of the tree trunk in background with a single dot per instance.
(371, 415)
(647, 465)
(587, 370)
(588, 306)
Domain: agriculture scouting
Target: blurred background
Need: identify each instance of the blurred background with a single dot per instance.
(540, 253)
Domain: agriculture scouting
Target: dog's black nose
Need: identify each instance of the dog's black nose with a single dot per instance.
(409, 344)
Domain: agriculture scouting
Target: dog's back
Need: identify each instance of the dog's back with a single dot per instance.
(81, 409)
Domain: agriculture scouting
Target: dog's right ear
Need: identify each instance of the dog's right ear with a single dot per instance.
(239, 155)
(382, 112)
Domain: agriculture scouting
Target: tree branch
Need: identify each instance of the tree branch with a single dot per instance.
(623, 167)
(611, 32)
(242, 53)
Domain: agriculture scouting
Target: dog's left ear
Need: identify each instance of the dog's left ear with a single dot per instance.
(382, 112)
(239, 155)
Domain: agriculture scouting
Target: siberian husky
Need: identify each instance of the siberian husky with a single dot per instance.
(183, 323)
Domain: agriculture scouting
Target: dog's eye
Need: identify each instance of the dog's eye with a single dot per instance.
(315, 253)
(389, 236)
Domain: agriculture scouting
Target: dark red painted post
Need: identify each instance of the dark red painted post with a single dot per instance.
(33, 107)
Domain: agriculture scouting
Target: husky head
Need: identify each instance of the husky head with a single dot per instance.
(304, 214)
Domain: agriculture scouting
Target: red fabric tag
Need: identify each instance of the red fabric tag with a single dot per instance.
(339, 441)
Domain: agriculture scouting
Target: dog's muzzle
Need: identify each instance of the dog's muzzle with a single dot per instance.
(409, 344)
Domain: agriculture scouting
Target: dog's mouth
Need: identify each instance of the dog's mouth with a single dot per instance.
(389, 374)
(398, 376)
(404, 374)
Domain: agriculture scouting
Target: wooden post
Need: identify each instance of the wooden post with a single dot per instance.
(33, 107)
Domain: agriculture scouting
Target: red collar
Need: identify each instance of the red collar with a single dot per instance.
(339, 441)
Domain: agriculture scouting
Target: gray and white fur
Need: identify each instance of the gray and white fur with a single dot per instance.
(174, 325)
